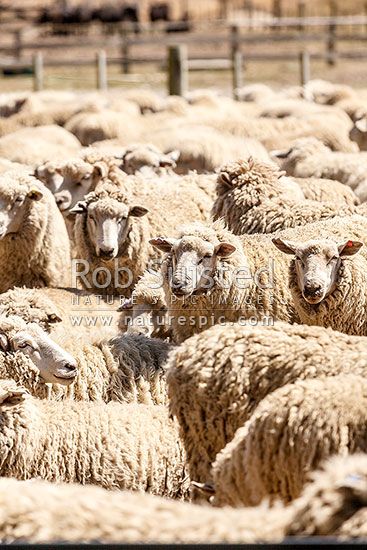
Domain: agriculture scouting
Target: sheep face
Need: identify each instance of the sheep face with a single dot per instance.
(317, 264)
(79, 177)
(108, 225)
(14, 207)
(194, 262)
(359, 133)
(55, 364)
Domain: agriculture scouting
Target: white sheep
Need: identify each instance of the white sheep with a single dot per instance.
(131, 446)
(34, 244)
(289, 433)
(37, 145)
(310, 157)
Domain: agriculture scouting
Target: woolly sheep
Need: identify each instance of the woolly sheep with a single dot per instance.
(217, 378)
(133, 446)
(204, 149)
(309, 157)
(29, 356)
(34, 245)
(88, 514)
(270, 132)
(253, 197)
(36, 145)
(359, 132)
(290, 432)
(328, 93)
(327, 283)
(89, 127)
(203, 279)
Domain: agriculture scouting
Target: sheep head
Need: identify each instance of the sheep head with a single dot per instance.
(317, 264)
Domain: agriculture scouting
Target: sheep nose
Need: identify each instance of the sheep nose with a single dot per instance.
(69, 367)
(314, 290)
(107, 252)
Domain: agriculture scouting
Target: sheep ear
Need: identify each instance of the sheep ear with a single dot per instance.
(224, 249)
(164, 245)
(100, 168)
(12, 397)
(285, 246)
(361, 124)
(4, 342)
(138, 211)
(280, 153)
(79, 208)
(35, 194)
(349, 248)
(225, 179)
(53, 318)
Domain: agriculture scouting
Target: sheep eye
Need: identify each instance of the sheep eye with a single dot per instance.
(92, 218)
(86, 177)
(333, 259)
(207, 256)
(23, 345)
(19, 199)
(120, 220)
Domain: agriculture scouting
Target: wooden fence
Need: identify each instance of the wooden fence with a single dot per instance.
(236, 38)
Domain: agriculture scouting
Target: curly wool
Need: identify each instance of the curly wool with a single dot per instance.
(50, 513)
(216, 379)
(39, 253)
(253, 197)
(131, 446)
(290, 432)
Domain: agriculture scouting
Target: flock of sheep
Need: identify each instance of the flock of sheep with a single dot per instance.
(183, 315)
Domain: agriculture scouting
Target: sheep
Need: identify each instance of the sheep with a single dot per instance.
(309, 157)
(216, 379)
(34, 245)
(210, 275)
(253, 197)
(290, 432)
(36, 145)
(89, 127)
(271, 132)
(124, 249)
(324, 190)
(204, 149)
(301, 109)
(8, 166)
(86, 514)
(146, 100)
(328, 93)
(131, 446)
(31, 358)
(146, 311)
(334, 501)
(327, 284)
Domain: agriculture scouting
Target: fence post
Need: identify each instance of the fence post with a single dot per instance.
(331, 45)
(38, 72)
(301, 14)
(125, 57)
(177, 70)
(304, 59)
(18, 43)
(237, 73)
(101, 62)
(234, 42)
